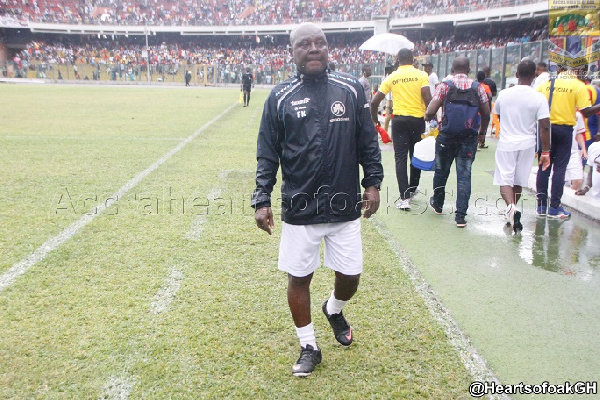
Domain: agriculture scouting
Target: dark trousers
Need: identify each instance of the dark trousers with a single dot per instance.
(560, 153)
(406, 131)
(247, 89)
(447, 149)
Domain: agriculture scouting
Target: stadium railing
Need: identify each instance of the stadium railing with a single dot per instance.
(502, 61)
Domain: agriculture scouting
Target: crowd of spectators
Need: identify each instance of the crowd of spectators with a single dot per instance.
(485, 37)
(224, 51)
(408, 8)
(230, 12)
(268, 50)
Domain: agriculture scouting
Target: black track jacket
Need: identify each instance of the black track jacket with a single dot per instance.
(319, 129)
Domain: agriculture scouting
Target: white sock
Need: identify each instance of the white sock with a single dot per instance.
(510, 212)
(306, 334)
(335, 306)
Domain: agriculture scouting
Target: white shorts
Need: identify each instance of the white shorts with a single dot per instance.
(299, 249)
(513, 167)
(575, 167)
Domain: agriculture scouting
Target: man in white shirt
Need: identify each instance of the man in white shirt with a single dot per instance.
(541, 74)
(574, 172)
(389, 103)
(519, 109)
(366, 83)
(592, 184)
(433, 78)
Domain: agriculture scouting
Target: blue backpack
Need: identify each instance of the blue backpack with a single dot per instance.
(461, 110)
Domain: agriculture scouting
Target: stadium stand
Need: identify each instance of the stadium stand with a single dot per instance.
(408, 8)
(169, 56)
(39, 38)
(235, 12)
(272, 52)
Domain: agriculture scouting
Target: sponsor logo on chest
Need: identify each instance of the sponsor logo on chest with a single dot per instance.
(338, 109)
(300, 107)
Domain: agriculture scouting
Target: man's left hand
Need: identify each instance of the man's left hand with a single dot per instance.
(370, 201)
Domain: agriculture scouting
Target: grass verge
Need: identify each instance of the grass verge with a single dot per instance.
(81, 322)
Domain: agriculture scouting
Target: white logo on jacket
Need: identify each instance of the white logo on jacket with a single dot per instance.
(338, 109)
(299, 102)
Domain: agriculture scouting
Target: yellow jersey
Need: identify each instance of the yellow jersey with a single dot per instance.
(570, 94)
(405, 84)
(591, 123)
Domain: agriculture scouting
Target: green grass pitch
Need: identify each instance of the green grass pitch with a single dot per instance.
(172, 291)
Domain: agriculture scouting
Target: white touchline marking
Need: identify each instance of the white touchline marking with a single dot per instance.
(88, 138)
(118, 388)
(472, 360)
(235, 173)
(214, 194)
(20, 268)
(167, 292)
(224, 174)
(195, 231)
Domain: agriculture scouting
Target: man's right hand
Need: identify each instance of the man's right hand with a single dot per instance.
(264, 219)
(544, 161)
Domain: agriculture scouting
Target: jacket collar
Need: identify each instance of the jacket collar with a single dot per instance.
(320, 78)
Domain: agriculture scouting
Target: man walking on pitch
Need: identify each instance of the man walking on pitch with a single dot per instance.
(462, 99)
(541, 74)
(247, 80)
(489, 81)
(317, 127)
(494, 91)
(519, 108)
(410, 95)
(365, 82)
(432, 76)
(568, 94)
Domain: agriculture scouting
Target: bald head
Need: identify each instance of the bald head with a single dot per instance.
(460, 65)
(305, 29)
(309, 49)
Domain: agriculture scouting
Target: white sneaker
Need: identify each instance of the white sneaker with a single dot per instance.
(403, 205)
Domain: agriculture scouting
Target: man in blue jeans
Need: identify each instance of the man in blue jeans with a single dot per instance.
(569, 93)
(456, 145)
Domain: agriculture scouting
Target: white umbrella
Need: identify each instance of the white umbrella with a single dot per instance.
(387, 43)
